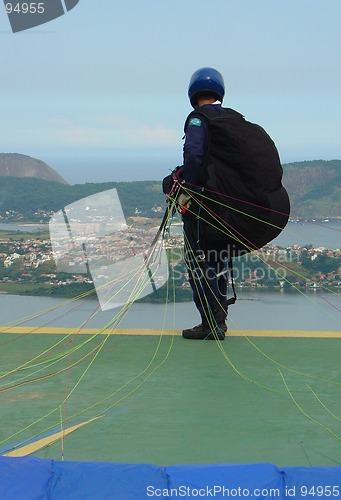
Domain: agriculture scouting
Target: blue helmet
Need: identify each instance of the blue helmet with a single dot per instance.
(206, 81)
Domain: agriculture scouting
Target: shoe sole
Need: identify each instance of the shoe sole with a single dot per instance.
(209, 336)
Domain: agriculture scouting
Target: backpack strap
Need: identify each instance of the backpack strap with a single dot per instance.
(233, 299)
(212, 114)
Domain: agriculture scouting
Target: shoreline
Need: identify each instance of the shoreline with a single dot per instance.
(292, 220)
(92, 295)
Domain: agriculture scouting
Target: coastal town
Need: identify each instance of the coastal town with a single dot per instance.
(33, 261)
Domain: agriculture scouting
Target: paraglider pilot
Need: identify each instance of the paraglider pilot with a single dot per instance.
(230, 194)
(207, 271)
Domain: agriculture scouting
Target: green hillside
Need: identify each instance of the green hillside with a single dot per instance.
(29, 195)
(314, 188)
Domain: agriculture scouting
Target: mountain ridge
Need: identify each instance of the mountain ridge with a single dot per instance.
(314, 188)
(24, 166)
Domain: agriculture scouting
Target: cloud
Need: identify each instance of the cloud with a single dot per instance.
(69, 133)
(110, 131)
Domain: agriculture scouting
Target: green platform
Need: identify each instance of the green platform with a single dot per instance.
(166, 400)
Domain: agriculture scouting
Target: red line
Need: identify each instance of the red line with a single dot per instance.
(240, 200)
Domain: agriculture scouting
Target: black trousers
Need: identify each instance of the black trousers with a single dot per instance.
(208, 271)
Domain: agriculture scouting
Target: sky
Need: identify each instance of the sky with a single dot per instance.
(100, 94)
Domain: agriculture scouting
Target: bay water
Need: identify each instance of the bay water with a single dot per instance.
(254, 309)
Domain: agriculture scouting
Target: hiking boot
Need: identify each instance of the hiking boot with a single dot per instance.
(204, 332)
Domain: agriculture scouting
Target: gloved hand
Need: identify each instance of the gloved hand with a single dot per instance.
(168, 182)
(184, 200)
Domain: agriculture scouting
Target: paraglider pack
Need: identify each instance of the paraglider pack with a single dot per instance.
(243, 201)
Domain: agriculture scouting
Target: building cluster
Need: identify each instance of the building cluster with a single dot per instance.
(323, 264)
(40, 216)
(40, 260)
(37, 261)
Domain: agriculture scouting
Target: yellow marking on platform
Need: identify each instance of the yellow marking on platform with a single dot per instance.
(41, 443)
(284, 333)
(43, 330)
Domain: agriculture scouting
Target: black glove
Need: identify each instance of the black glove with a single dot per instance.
(168, 181)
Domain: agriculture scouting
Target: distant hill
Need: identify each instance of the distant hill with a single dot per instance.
(18, 165)
(314, 188)
(27, 196)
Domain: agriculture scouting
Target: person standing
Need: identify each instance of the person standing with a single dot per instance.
(230, 194)
(207, 268)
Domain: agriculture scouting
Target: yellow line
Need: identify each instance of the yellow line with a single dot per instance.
(37, 445)
(284, 333)
(149, 331)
